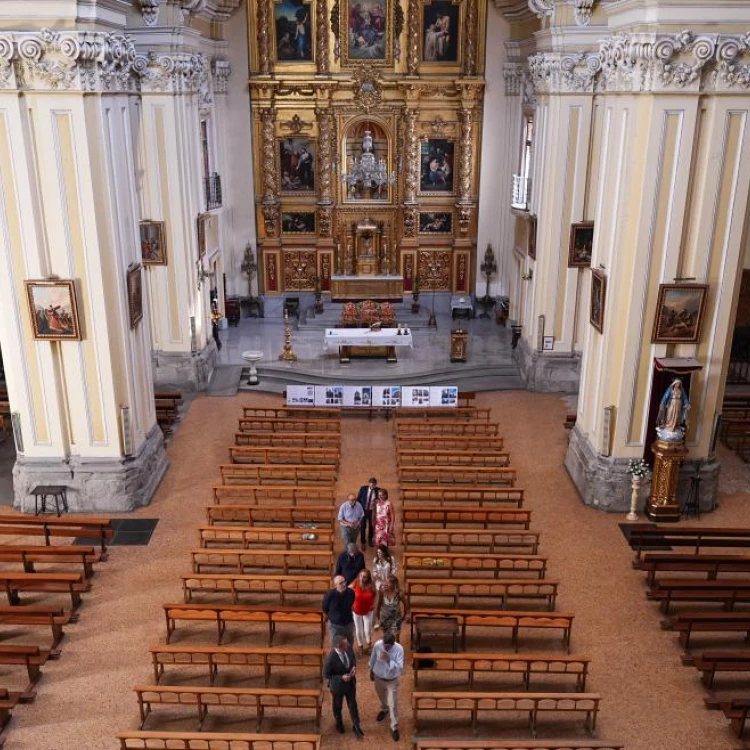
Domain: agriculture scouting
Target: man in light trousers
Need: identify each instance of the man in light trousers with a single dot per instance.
(386, 669)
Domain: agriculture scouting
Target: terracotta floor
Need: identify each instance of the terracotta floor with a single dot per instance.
(650, 701)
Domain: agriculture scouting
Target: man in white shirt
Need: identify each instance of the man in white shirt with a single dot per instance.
(350, 519)
(386, 669)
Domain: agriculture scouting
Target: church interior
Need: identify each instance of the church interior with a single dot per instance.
(221, 218)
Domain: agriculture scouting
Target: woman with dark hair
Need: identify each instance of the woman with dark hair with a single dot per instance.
(392, 607)
(383, 565)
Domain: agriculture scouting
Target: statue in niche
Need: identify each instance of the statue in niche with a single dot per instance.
(671, 420)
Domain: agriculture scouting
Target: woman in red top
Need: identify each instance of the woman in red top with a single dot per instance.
(363, 608)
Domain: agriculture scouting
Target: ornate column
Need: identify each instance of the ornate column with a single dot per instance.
(270, 178)
(325, 170)
(466, 203)
(412, 38)
(264, 42)
(322, 63)
(411, 170)
(470, 39)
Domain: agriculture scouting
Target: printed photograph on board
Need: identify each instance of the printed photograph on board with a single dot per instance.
(293, 31)
(581, 244)
(440, 26)
(436, 166)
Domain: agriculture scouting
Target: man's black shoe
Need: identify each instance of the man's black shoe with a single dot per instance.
(340, 728)
(396, 736)
(357, 729)
(381, 716)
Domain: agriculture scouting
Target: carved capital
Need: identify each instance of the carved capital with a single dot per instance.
(554, 72)
(513, 74)
(583, 10)
(180, 73)
(222, 69)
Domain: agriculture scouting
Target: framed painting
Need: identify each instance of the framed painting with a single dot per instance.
(153, 243)
(435, 223)
(598, 296)
(531, 246)
(53, 310)
(135, 295)
(436, 166)
(441, 24)
(297, 165)
(367, 33)
(293, 27)
(202, 224)
(298, 222)
(679, 313)
(580, 245)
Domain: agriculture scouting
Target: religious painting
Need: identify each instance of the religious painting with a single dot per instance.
(436, 166)
(679, 313)
(367, 34)
(298, 222)
(531, 246)
(581, 244)
(153, 243)
(440, 27)
(135, 295)
(53, 309)
(435, 223)
(598, 293)
(293, 23)
(297, 165)
(202, 224)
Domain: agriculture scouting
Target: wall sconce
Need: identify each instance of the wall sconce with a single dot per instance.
(202, 273)
(529, 275)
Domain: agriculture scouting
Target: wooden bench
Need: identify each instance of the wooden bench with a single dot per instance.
(447, 442)
(645, 535)
(458, 475)
(8, 701)
(659, 562)
(735, 709)
(222, 614)
(289, 439)
(493, 664)
(462, 413)
(687, 623)
(447, 428)
(281, 587)
(290, 425)
(495, 744)
(284, 561)
(285, 455)
(709, 663)
(71, 526)
(174, 396)
(31, 657)
(28, 615)
(496, 619)
(416, 494)
(294, 474)
(294, 412)
(29, 556)
(455, 564)
(213, 657)
(458, 590)
(488, 540)
(446, 517)
(313, 516)
(267, 537)
(530, 704)
(273, 495)
(200, 698)
(64, 583)
(471, 458)
(726, 592)
(140, 740)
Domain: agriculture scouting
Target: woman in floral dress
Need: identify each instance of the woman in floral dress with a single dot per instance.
(385, 520)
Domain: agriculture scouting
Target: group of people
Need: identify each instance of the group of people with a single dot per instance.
(362, 601)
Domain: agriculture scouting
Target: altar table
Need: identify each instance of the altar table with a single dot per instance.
(362, 342)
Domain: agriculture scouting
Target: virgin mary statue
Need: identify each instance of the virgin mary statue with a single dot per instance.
(673, 410)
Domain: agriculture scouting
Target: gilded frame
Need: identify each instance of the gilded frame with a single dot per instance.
(598, 299)
(437, 166)
(134, 283)
(435, 222)
(581, 244)
(202, 225)
(680, 309)
(296, 159)
(53, 309)
(440, 30)
(153, 235)
(366, 33)
(298, 222)
(287, 16)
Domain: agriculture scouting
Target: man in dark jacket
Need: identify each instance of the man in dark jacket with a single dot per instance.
(350, 562)
(340, 671)
(337, 606)
(367, 496)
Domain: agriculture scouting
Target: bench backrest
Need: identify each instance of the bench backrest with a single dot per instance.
(264, 536)
(451, 458)
(486, 539)
(273, 495)
(284, 412)
(141, 740)
(448, 517)
(284, 455)
(443, 413)
(416, 494)
(278, 559)
(314, 515)
(291, 439)
(257, 584)
(517, 745)
(290, 425)
(277, 474)
(458, 475)
(434, 427)
(452, 563)
(447, 442)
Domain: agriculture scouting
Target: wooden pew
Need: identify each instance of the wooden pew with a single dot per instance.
(459, 590)
(735, 709)
(61, 583)
(312, 516)
(90, 527)
(483, 496)
(140, 740)
(471, 458)
(31, 657)
(264, 455)
(175, 397)
(32, 615)
(658, 562)
(493, 664)
(487, 618)
(29, 556)
(697, 537)
(273, 495)
(466, 398)
(463, 413)
(458, 475)
(221, 614)
(488, 540)
(530, 703)
(687, 623)
(290, 425)
(433, 427)
(289, 439)
(726, 592)
(213, 657)
(308, 562)
(267, 537)
(495, 744)
(457, 564)
(294, 474)
(709, 663)
(447, 517)
(8, 701)
(281, 587)
(446, 442)
(260, 699)
(293, 412)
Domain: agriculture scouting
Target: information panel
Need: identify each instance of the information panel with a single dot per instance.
(300, 395)
(373, 396)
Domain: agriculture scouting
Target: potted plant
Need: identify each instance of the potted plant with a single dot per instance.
(639, 473)
(415, 296)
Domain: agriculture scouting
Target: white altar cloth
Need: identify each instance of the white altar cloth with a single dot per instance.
(336, 337)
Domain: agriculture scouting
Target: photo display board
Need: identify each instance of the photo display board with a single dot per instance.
(372, 396)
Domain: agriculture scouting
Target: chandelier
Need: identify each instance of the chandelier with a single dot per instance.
(368, 171)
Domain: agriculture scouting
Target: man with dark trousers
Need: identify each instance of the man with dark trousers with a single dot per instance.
(367, 496)
(340, 670)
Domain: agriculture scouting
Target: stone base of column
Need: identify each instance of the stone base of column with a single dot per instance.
(604, 482)
(184, 371)
(551, 372)
(101, 485)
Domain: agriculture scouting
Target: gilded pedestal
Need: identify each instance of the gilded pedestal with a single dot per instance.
(662, 503)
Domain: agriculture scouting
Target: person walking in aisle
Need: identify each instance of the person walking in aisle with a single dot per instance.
(337, 606)
(364, 608)
(386, 669)
(349, 563)
(350, 519)
(383, 565)
(340, 670)
(368, 494)
(392, 607)
(385, 520)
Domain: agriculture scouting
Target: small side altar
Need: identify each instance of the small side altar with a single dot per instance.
(363, 342)
(355, 288)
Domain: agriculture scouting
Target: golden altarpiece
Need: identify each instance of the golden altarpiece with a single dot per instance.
(367, 130)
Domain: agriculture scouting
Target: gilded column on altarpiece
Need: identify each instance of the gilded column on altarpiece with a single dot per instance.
(322, 63)
(470, 48)
(325, 170)
(264, 47)
(412, 39)
(270, 178)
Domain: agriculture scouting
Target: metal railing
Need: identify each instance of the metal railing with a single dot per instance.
(212, 189)
(520, 192)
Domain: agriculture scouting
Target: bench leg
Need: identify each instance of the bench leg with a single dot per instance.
(221, 627)
(271, 632)
(57, 634)
(532, 722)
(145, 709)
(514, 637)
(170, 627)
(213, 671)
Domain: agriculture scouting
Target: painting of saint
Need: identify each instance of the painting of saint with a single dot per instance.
(581, 244)
(153, 243)
(436, 172)
(297, 165)
(302, 222)
(440, 24)
(293, 31)
(54, 313)
(367, 30)
(435, 223)
(679, 313)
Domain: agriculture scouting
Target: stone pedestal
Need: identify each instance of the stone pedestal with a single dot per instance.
(662, 502)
